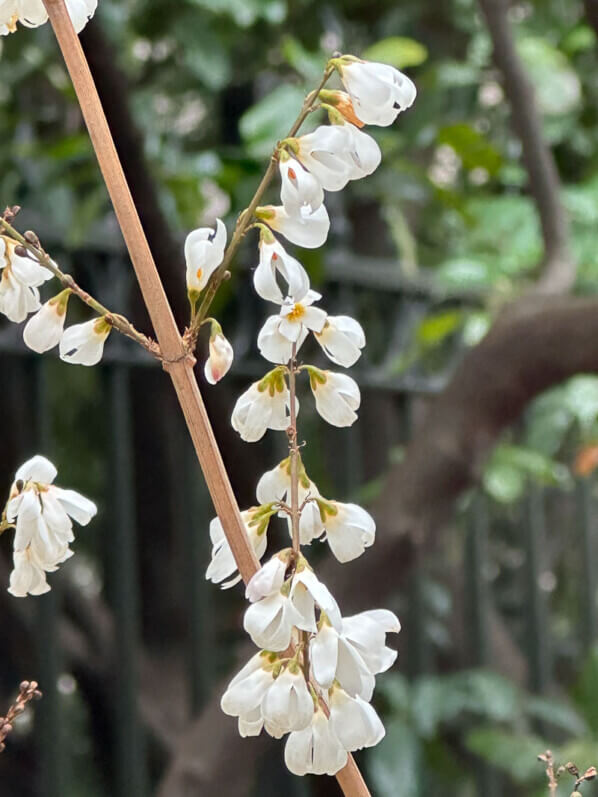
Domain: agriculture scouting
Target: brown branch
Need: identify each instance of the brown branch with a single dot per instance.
(558, 267)
(591, 9)
(27, 691)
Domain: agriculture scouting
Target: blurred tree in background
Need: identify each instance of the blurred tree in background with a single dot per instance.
(470, 257)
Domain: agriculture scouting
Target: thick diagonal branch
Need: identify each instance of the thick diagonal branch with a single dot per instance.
(558, 267)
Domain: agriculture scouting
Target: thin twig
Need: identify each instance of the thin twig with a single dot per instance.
(117, 321)
(294, 453)
(27, 691)
(558, 268)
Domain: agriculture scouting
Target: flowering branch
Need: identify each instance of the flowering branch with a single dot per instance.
(27, 691)
(553, 774)
(246, 217)
(30, 244)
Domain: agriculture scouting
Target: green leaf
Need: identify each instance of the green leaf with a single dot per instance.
(246, 12)
(464, 273)
(397, 51)
(515, 753)
(472, 147)
(581, 399)
(503, 482)
(309, 65)
(395, 765)
(270, 119)
(558, 714)
(435, 328)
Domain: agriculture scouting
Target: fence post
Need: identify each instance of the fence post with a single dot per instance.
(129, 747)
(587, 548)
(51, 742)
(537, 629)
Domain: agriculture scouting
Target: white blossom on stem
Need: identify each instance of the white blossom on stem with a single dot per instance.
(342, 338)
(349, 528)
(275, 260)
(20, 278)
(44, 330)
(263, 406)
(379, 92)
(28, 576)
(279, 333)
(354, 654)
(337, 396)
(222, 564)
(275, 485)
(309, 230)
(326, 154)
(204, 252)
(268, 579)
(221, 355)
(299, 188)
(354, 721)
(83, 344)
(42, 514)
(244, 694)
(288, 704)
(315, 750)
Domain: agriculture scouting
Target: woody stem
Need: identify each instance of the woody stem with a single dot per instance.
(294, 453)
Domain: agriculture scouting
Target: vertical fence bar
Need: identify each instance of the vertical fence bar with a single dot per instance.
(537, 630)
(51, 742)
(477, 599)
(201, 635)
(588, 563)
(129, 747)
(477, 608)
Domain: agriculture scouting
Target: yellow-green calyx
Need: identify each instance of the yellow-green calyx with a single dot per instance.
(289, 143)
(60, 301)
(343, 60)
(102, 326)
(266, 234)
(274, 381)
(327, 508)
(265, 213)
(260, 517)
(215, 328)
(316, 376)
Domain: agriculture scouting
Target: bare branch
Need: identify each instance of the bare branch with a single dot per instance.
(558, 267)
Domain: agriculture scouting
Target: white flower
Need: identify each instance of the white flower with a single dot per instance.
(83, 344)
(204, 252)
(19, 281)
(268, 579)
(270, 621)
(337, 396)
(354, 721)
(275, 347)
(288, 704)
(275, 485)
(325, 153)
(245, 692)
(44, 330)
(307, 590)
(378, 92)
(274, 259)
(28, 576)
(315, 750)
(299, 189)
(356, 653)
(363, 150)
(309, 230)
(32, 13)
(42, 514)
(222, 564)
(263, 406)
(279, 333)
(349, 529)
(220, 359)
(342, 339)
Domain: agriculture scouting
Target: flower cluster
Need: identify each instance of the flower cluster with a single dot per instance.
(32, 14)
(20, 279)
(40, 512)
(315, 673)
